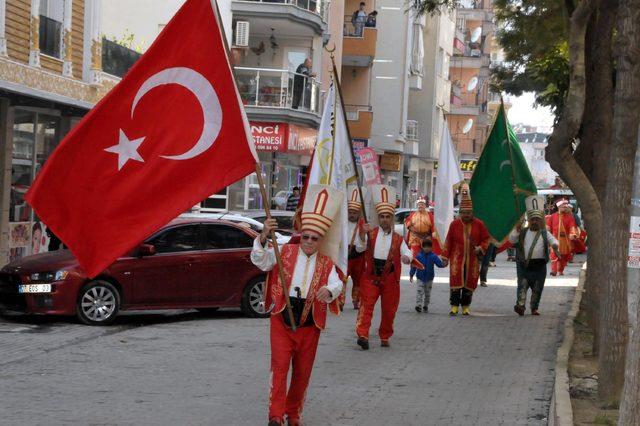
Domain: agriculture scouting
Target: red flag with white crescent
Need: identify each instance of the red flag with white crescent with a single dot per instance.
(169, 135)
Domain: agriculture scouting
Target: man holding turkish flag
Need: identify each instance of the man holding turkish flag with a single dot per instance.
(170, 134)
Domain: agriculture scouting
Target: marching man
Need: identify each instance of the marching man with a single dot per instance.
(386, 251)
(357, 246)
(563, 227)
(532, 255)
(313, 284)
(466, 243)
(420, 226)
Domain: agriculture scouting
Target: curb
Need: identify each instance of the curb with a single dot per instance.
(560, 411)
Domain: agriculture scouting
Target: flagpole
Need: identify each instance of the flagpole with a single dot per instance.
(276, 250)
(263, 190)
(344, 116)
(513, 172)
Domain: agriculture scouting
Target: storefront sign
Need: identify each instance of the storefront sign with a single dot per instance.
(269, 136)
(465, 165)
(302, 140)
(370, 169)
(391, 161)
(634, 243)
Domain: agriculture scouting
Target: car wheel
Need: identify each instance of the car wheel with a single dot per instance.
(253, 304)
(98, 303)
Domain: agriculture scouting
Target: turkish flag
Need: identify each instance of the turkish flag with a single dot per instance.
(170, 134)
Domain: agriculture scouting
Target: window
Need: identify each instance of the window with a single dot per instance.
(225, 237)
(51, 18)
(183, 238)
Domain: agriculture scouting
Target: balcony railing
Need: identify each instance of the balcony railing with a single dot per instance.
(275, 88)
(356, 29)
(117, 59)
(317, 6)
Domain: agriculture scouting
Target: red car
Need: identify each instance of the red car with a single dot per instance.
(189, 263)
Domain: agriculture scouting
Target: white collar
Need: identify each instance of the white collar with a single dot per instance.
(301, 252)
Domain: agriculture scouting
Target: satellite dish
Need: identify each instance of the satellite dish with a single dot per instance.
(472, 83)
(467, 127)
(475, 35)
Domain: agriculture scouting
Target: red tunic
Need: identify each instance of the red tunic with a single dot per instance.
(422, 227)
(396, 257)
(274, 294)
(459, 249)
(562, 226)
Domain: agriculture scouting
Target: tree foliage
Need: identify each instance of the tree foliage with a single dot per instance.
(431, 7)
(534, 36)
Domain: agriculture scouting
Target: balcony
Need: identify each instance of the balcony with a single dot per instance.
(300, 17)
(359, 120)
(480, 61)
(475, 10)
(358, 44)
(275, 95)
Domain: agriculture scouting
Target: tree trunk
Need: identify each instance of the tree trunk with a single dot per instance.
(559, 150)
(613, 310)
(595, 137)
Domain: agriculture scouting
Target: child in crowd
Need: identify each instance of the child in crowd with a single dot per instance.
(425, 276)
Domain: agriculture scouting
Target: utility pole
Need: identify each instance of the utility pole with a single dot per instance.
(633, 273)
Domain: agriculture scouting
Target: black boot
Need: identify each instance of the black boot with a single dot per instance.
(363, 343)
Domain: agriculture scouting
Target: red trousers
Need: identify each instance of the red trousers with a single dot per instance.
(297, 349)
(356, 269)
(558, 264)
(389, 293)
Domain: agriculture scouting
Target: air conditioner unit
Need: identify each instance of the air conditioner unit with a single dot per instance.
(242, 34)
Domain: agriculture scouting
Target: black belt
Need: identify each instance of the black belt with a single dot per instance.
(378, 266)
(534, 262)
(353, 253)
(297, 306)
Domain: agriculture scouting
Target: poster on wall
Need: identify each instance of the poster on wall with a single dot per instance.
(27, 238)
(370, 167)
(634, 243)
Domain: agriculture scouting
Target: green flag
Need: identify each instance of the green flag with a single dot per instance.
(501, 180)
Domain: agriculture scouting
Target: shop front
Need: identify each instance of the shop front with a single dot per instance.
(30, 135)
(284, 151)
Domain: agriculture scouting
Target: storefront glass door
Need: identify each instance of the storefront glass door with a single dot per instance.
(35, 136)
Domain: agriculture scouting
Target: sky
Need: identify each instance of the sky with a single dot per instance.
(522, 111)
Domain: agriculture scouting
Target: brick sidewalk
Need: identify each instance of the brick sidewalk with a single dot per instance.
(489, 369)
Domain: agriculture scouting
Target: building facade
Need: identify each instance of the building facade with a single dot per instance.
(429, 106)
(469, 118)
(533, 145)
(50, 76)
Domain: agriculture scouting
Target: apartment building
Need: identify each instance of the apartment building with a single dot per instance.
(469, 119)
(50, 76)
(429, 106)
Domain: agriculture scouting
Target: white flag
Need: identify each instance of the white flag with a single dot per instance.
(449, 174)
(333, 165)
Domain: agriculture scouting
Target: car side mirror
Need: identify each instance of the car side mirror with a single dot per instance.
(146, 250)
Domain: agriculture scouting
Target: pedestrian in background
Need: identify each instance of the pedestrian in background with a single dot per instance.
(371, 19)
(301, 84)
(293, 200)
(425, 276)
(487, 260)
(359, 19)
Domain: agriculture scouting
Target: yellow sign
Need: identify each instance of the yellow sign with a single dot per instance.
(391, 161)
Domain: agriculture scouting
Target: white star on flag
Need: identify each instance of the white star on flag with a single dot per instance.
(126, 150)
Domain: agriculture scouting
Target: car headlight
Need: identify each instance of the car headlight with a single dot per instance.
(48, 277)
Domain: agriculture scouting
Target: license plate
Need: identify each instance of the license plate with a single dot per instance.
(34, 288)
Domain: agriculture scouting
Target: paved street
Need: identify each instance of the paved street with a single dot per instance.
(493, 368)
